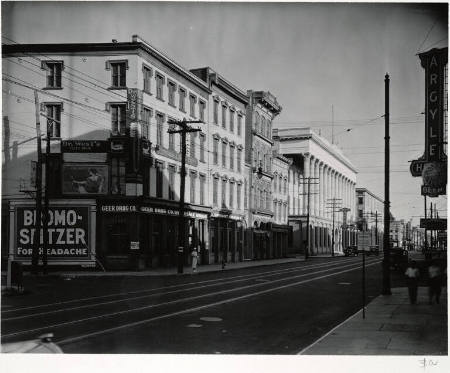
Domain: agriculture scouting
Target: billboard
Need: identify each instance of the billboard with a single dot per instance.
(70, 233)
(85, 179)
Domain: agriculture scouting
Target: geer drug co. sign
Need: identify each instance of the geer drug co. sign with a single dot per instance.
(69, 234)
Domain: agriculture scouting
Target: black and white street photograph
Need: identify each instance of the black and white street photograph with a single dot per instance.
(237, 186)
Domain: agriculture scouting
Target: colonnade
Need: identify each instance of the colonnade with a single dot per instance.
(327, 183)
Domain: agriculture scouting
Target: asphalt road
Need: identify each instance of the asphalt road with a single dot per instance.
(277, 309)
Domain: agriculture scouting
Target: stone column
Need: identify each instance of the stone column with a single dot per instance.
(306, 174)
(320, 189)
(314, 188)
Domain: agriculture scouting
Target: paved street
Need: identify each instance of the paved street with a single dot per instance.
(277, 309)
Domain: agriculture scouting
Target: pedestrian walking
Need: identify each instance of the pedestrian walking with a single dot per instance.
(194, 256)
(434, 282)
(412, 277)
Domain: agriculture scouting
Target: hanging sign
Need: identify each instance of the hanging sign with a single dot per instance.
(434, 62)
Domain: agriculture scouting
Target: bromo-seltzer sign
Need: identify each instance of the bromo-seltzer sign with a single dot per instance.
(68, 233)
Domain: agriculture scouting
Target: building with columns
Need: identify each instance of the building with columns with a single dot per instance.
(331, 175)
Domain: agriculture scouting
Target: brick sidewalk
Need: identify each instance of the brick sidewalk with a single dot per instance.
(392, 327)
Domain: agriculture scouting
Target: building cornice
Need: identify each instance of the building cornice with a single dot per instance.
(110, 48)
(309, 134)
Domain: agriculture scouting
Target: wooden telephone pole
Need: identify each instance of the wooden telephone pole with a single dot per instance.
(308, 194)
(184, 128)
(335, 205)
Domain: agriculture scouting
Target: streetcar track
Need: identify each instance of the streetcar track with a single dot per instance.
(243, 277)
(197, 308)
(186, 299)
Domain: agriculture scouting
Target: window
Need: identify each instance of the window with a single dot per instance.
(118, 74)
(192, 145)
(172, 88)
(268, 201)
(182, 94)
(263, 126)
(360, 213)
(224, 154)
(54, 71)
(279, 184)
(239, 160)
(202, 147)
(192, 102)
(53, 111)
(269, 129)
(159, 179)
(231, 120)
(275, 210)
(171, 137)
(245, 194)
(231, 195)
(216, 151)
(202, 189)
(360, 200)
(216, 112)
(285, 186)
(275, 183)
(159, 128)
(159, 86)
(146, 115)
(147, 75)
(239, 125)
(215, 191)
(224, 191)
(192, 189)
(201, 110)
(231, 157)
(224, 116)
(257, 119)
(171, 182)
(118, 119)
(238, 196)
(117, 175)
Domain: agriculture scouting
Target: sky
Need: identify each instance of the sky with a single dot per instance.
(325, 63)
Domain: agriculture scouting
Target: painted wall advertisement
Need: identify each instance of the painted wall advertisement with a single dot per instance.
(70, 233)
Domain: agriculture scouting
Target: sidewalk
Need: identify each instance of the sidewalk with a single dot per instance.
(392, 327)
(187, 270)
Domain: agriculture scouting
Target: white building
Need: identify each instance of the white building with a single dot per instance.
(332, 177)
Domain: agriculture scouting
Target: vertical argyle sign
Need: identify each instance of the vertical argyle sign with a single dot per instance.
(435, 160)
(434, 62)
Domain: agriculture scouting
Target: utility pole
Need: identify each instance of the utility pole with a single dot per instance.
(333, 204)
(308, 212)
(184, 128)
(386, 290)
(426, 233)
(46, 196)
(50, 123)
(37, 234)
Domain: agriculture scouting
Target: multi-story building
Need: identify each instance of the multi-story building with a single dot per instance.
(112, 161)
(331, 176)
(280, 227)
(262, 109)
(226, 144)
(369, 210)
(396, 232)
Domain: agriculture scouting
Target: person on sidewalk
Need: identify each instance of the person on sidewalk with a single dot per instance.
(434, 282)
(412, 277)
(194, 256)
